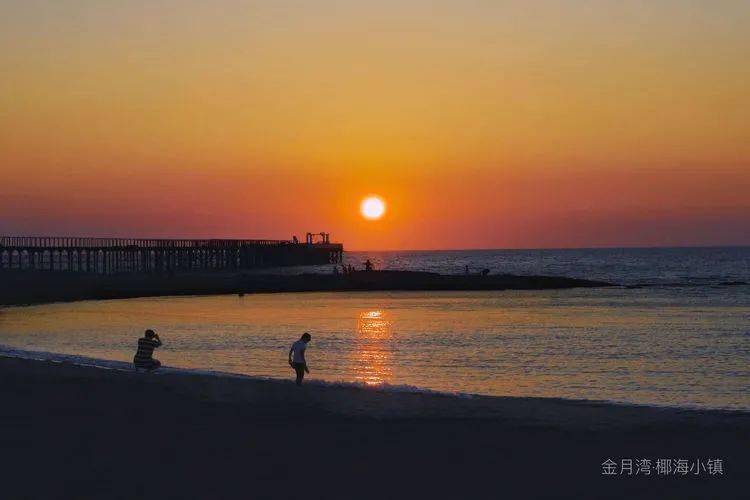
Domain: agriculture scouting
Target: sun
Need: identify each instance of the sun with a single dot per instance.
(372, 207)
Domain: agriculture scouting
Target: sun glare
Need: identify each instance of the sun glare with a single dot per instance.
(372, 208)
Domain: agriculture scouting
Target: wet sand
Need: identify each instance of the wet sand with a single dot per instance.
(34, 287)
(83, 432)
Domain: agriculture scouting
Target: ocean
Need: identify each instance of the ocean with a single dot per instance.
(674, 331)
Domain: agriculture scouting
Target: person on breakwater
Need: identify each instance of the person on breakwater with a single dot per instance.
(297, 357)
(144, 356)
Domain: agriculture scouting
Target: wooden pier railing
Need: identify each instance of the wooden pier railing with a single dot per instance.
(139, 255)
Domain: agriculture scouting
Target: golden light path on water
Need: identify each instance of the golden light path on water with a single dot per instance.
(372, 359)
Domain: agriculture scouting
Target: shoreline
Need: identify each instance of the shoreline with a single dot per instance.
(28, 288)
(125, 367)
(203, 436)
(330, 398)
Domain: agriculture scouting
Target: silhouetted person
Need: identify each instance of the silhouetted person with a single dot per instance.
(368, 265)
(144, 356)
(297, 357)
(466, 270)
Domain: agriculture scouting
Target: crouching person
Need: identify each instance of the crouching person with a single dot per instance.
(144, 356)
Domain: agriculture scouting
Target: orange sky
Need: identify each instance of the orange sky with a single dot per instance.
(482, 124)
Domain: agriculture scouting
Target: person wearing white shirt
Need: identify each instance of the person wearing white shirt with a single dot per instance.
(297, 357)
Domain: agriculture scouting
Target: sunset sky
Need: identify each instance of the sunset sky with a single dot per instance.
(482, 124)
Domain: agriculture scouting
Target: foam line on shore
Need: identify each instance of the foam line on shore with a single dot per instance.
(125, 366)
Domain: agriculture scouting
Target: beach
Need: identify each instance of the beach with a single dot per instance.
(569, 371)
(84, 432)
(374, 250)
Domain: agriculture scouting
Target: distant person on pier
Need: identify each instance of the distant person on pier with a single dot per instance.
(144, 356)
(297, 357)
(368, 265)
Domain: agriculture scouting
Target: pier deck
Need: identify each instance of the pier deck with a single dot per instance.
(138, 255)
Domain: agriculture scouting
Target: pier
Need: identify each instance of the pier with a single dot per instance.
(129, 255)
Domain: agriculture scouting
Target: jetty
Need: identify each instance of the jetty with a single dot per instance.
(29, 287)
(137, 255)
(36, 270)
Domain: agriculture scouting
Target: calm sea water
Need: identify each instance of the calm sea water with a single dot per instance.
(677, 334)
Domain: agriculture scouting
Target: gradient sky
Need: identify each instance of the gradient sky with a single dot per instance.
(483, 124)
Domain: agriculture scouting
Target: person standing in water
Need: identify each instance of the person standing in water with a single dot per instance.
(297, 357)
(144, 356)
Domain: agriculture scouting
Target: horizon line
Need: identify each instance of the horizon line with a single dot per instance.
(606, 247)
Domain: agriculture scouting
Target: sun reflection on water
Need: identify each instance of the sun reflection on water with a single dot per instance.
(373, 354)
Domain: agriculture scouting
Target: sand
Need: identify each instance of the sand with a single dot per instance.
(83, 432)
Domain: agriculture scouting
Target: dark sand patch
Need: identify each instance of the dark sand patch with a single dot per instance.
(80, 432)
